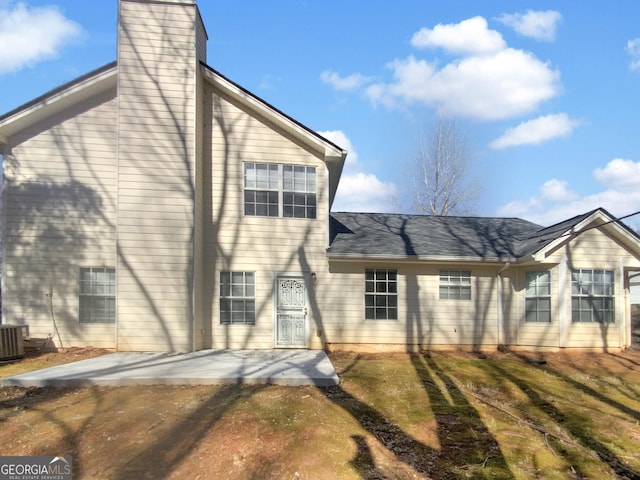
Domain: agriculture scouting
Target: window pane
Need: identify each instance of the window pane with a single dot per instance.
(544, 304)
(287, 176)
(465, 293)
(381, 301)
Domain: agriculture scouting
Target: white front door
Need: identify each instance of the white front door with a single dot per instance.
(291, 312)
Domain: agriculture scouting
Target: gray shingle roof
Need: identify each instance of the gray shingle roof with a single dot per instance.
(399, 235)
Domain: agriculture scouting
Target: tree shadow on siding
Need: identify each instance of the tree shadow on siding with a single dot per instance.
(47, 227)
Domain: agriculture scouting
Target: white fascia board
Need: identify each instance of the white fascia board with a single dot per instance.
(434, 260)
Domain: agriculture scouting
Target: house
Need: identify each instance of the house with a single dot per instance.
(156, 205)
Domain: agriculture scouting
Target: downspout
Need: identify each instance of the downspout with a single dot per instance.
(500, 305)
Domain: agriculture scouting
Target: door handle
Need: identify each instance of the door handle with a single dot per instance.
(304, 310)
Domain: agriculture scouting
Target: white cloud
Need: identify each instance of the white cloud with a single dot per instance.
(471, 36)
(556, 202)
(540, 25)
(487, 81)
(619, 174)
(496, 86)
(633, 48)
(29, 35)
(555, 190)
(534, 132)
(364, 192)
(359, 191)
(350, 82)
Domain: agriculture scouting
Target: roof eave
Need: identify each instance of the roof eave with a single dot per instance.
(57, 99)
(609, 221)
(350, 257)
(329, 150)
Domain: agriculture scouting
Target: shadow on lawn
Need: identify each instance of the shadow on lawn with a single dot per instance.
(467, 448)
(572, 423)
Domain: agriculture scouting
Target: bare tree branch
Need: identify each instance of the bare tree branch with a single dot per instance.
(441, 182)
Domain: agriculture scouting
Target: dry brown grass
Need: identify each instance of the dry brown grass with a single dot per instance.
(395, 416)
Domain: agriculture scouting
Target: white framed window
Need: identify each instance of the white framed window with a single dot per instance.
(277, 190)
(381, 294)
(237, 298)
(537, 296)
(592, 296)
(97, 292)
(455, 285)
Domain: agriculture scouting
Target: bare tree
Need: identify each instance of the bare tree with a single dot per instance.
(442, 183)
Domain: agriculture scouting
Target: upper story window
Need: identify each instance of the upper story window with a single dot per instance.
(455, 285)
(276, 190)
(537, 296)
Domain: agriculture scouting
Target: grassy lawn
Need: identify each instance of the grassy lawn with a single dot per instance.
(395, 416)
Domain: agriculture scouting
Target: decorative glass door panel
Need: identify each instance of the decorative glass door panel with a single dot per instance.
(291, 312)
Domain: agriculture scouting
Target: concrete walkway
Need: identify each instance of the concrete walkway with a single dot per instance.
(281, 367)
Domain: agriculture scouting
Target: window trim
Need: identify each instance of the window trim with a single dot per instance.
(372, 294)
(299, 198)
(453, 286)
(245, 299)
(109, 313)
(579, 295)
(537, 296)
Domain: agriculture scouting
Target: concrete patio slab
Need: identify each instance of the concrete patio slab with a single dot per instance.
(280, 367)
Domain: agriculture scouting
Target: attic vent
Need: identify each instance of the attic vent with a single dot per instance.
(12, 340)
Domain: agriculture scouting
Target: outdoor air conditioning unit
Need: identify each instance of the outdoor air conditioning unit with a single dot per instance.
(12, 340)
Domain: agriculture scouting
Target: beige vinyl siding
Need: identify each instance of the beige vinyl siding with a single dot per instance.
(156, 182)
(531, 334)
(423, 318)
(60, 204)
(264, 245)
(593, 249)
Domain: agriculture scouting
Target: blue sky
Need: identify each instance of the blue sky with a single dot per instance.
(545, 92)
